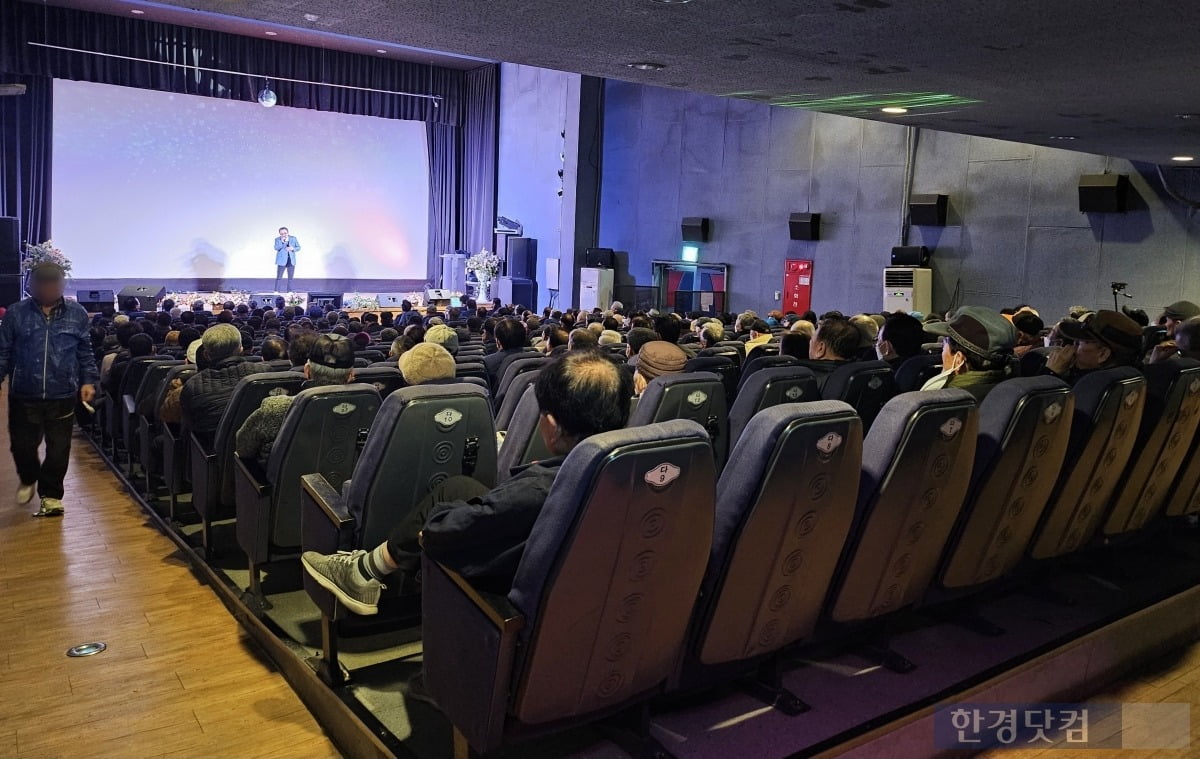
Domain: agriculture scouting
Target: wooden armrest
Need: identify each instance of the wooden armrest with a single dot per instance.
(328, 498)
(130, 406)
(496, 607)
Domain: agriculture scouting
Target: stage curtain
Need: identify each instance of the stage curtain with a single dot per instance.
(25, 145)
(443, 195)
(21, 23)
(477, 201)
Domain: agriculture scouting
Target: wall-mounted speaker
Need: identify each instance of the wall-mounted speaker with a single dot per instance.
(910, 255)
(805, 226)
(518, 292)
(696, 229)
(598, 258)
(522, 257)
(1103, 193)
(928, 210)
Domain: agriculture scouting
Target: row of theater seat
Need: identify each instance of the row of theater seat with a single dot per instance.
(946, 498)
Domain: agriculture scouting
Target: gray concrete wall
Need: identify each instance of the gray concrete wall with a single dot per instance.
(1015, 231)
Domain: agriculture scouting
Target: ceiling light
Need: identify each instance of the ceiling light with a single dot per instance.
(894, 109)
(1187, 116)
(1067, 137)
(381, 50)
(137, 12)
(311, 17)
(671, 2)
(271, 34)
(646, 66)
(1182, 158)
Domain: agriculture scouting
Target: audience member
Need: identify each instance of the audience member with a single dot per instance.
(833, 345)
(977, 349)
(900, 338)
(656, 359)
(427, 363)
(1106, 340)
(207, 392)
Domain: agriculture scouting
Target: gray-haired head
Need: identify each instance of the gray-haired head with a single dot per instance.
(221, 341)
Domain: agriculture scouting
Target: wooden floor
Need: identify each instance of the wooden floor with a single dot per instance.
(1175, 679)
(179, 678)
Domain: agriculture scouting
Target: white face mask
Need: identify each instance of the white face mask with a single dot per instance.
(943, 379)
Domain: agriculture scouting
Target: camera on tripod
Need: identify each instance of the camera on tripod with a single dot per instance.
(1118, 287)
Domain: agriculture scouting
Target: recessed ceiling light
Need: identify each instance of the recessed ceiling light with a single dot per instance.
(671, 2)
(894, 109)
(311, 17)
(137, 12)
(1187, 116)
(646, 66)
(1182, 158)
(1063, 137)
(380, 50)
(271, 34)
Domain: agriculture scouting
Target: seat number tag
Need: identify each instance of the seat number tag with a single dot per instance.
(662, 475)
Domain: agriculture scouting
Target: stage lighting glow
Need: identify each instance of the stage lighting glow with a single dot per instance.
(690, 253)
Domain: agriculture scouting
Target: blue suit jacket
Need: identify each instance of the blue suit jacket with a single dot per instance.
(281, 254)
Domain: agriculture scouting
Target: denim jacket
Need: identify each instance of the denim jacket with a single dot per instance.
(46, 357)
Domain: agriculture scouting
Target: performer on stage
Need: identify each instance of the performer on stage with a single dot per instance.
(286, 247)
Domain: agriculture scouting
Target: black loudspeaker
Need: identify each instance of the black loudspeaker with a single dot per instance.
(148, 296)
(910, 255)
(10, 260)
(928, 210)
(696, 229)
(522, 257)
(518, 292)
(598, 258)
(1103, 193)
(805, 226)
(325, 299)
(95, 301)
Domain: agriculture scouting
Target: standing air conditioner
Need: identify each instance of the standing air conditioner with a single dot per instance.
(907, 289)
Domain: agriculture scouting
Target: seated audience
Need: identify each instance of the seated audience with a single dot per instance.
(977, 349)
(637, 337)
(900, 338)
(868, 332)
(1029, 328)
(582, 339)
(1108, 339)
(300, 346)
(330, 362)
(656, 359)
(440, 334)
(427, 363)
(760, 334)
(275, 353)
(711, 333)
(833, 345)
(511, 339)
(794, 344)
(207, 392)
(609, 337)
(477, 532)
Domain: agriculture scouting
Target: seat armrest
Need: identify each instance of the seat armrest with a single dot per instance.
(253, 494)
(327, 499)
(326, 527)
(252, 473)
(470, 643)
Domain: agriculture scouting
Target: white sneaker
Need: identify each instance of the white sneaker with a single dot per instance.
(25, 494)
(51, 507)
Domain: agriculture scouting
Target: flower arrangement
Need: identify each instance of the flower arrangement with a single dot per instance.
(485, 264)
(363, 302)
(42, 253)
(294, 299)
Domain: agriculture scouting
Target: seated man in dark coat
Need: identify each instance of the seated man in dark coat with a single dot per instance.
(833, 345)
(478, 532)
(207, 392)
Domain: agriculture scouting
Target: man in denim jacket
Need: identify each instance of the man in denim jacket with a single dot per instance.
(46, 354)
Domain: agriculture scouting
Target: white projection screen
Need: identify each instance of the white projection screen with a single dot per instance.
(150, 184)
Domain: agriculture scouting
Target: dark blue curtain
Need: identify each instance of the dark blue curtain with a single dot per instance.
(25, 143)
(462, 131)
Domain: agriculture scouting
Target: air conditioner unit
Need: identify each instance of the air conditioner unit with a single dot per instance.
(907, 289)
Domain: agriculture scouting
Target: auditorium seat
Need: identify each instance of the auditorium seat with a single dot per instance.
(212, 470)
(1107, 414)
(471, 369)
(421, 436)
(512, 397)
(1034, 361)
(915, 472)
(1164, 438)
(722, 366)
(1024, 429)
(513, 367)
(322, 433)
(916, 371)
(144, 410)
(522, 440)
(131, 385)
(765, 362)
(573, 641)
(738, 346)
(865, 385)
(762, 351)
(722, 350)
(386, 379)
(698, 396)
(770, 387)
(782, 517)
(175, 448)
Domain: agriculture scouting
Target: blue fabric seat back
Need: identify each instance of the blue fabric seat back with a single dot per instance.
(1108, 411)
(765, 362)
(770, 387)
(321, 434)
(524, 362)
(513, 395)
(385, 379)
(611, 569)
(523, 442)
(916, 469)
(865, 385)
(247, 396)
(783, 514)
(421, 436)
(723, 366)
(916, 371)
(699, 396)
(1024, 429)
